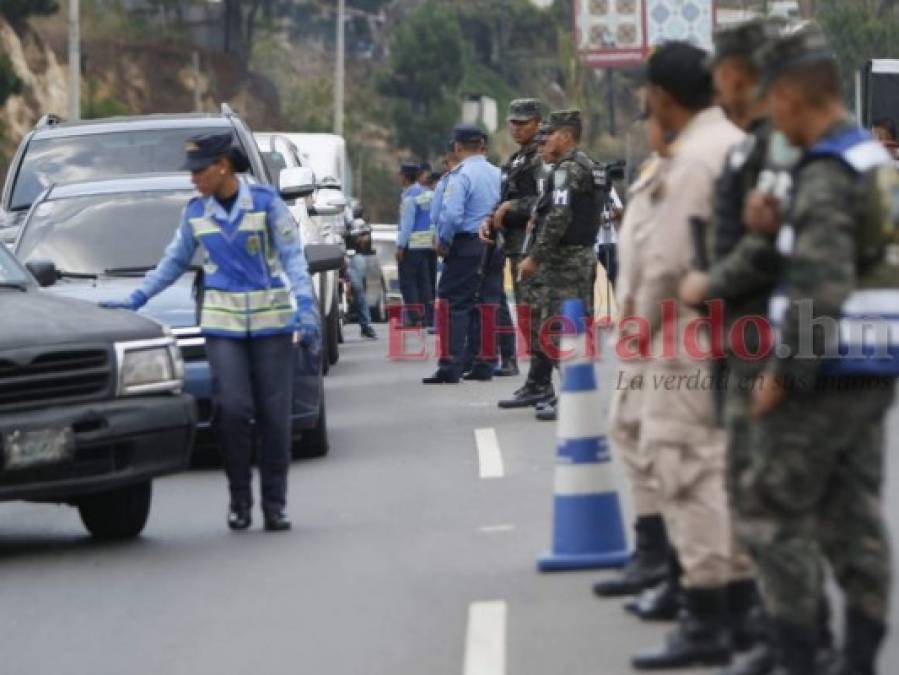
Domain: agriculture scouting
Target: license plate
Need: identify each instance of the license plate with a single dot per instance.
(24, 449)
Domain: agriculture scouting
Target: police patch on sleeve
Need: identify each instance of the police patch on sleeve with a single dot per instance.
(287, 229)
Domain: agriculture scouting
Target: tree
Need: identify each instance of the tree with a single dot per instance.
(427, 66)
(858, 32)
(10, 84)
(17, 11)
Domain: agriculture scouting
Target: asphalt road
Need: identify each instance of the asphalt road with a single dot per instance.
(403, 560)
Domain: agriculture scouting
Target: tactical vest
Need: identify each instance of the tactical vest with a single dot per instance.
(245, 293)
(586, 205)
(869, 321)
(741, 171)
(518, 182)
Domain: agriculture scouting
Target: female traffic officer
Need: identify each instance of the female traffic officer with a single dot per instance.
(257, 294)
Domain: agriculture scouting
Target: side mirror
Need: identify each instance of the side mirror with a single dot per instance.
(324, 257)
(296, 182)
(44, 271)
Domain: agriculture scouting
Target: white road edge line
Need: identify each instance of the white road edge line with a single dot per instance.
(485, 641)
(493, 529)
(489, 457)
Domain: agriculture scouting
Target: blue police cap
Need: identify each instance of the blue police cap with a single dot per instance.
(410, 169)
(467, 133)
(205, 149)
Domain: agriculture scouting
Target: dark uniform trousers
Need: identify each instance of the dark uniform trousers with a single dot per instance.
(250, 383)
(417, 285)
(459, 285)
(492, 297)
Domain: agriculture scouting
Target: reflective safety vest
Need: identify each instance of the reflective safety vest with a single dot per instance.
(422, 236)
(245, 290)
(869, 320)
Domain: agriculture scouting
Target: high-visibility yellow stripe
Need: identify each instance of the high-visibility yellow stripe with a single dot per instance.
(253, 222)
(421, 239)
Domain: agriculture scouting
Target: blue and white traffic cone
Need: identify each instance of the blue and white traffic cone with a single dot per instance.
(588, 530)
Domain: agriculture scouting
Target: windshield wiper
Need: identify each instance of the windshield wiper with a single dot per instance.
(14, 286)
(137, 271)
(128, 271)
(64, 274)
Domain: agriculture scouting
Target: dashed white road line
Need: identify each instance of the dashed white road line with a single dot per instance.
(497, 529)
(490, 459)
(485, 640)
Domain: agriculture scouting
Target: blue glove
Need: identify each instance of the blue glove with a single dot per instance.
(308, 324)
(134, 302)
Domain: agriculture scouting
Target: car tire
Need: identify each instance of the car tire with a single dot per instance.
(314, 442)
(325, 325)
(333, 332)
(117, 514)
(379, 310)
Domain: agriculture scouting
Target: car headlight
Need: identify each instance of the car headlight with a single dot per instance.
(149, 367)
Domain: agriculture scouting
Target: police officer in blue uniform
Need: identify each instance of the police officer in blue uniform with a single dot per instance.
(257, 296)
(472, 191)
(415, 246)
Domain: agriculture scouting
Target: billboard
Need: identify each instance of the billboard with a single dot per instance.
(621, 33)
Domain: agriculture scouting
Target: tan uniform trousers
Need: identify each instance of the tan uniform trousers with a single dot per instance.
(686, 451)
(624, 431)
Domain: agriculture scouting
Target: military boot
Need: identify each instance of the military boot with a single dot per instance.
(547, 410)
(758, 661)
(649, 565)
(509, 368)
(528, 396)
(662, 602)
(702, 636)
(795, 648)
(747, 616)
(864, 637)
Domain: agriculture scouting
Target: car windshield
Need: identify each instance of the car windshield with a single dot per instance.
(103, 155)
(10, 270)
(93, 234)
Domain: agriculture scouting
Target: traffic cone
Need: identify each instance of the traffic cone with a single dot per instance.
(588, 530)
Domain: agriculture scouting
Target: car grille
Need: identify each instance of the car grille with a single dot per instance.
(56, 377)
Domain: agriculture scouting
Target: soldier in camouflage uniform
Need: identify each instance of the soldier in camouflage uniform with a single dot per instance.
(817, 467)
(742, 277)
(561, 264)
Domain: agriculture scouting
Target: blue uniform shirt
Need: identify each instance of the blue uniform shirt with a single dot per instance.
(437, 199)
(472, 193)
(282, 228)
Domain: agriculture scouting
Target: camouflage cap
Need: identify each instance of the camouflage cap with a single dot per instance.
(795, 47)
(559, 119)
(525, 110)
(744, 39)
(543, 131)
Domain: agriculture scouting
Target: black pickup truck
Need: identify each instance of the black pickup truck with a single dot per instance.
(91, 408)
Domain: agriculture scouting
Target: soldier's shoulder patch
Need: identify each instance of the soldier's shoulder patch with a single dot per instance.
(560, 177)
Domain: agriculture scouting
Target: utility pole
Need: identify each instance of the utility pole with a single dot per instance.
(339, 69)
(74, 60)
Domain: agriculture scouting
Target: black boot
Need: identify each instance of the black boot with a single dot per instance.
(663, 602)
(795, 648)
(239, 516)
(647, 568)
(530, 395)
(864, 637)
(747, 615)
(759, 661)
(701, 638)
(509, 368)
(276, 521)
(547, 410)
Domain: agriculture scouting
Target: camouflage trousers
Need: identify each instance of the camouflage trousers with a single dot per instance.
(569, 274)
(811, 491)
